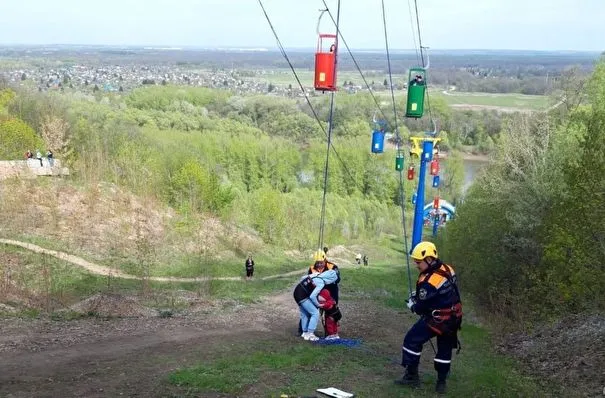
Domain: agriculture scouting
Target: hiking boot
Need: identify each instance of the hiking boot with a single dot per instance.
(409, 379)
(440, 387)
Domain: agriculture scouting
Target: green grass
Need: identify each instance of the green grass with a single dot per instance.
(295, 368)
(282, 77)
(279, 368)
(533, 102)
(288, 366)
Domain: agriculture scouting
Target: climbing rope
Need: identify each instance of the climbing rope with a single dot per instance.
(322, 221)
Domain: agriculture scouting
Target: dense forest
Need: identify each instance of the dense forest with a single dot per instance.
(529, 237)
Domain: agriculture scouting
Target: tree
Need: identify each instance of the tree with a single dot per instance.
(23, 76)
(6, 96)
(55, 132)
(17, 137)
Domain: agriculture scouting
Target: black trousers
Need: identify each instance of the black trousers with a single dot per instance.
(417, 336)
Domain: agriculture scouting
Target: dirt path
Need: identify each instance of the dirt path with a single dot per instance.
(97, 357)
(106, 271)
(123, 357)
(132, 357)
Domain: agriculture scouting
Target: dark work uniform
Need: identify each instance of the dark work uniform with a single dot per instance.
(438, 304)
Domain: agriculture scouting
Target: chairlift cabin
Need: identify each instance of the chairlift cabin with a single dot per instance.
(378, 135)
(399, 161)
(411, 172)
(325, 63)
(416, 91)
(434, 167)
(377, 141)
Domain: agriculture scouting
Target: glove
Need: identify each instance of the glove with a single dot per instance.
(410, 303)
(413, 295)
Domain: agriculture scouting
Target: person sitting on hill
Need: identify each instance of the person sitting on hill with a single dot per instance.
(39, 157)
(50, 158)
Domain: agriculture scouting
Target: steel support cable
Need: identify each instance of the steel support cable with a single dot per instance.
(427, 90)
(356, 64)
(428, 101)
(302, 88)
(401, 186)
(330, 126)
(413, 32)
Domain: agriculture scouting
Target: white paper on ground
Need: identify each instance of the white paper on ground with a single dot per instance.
(335, 392)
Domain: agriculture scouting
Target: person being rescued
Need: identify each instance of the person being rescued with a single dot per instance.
(332, 314)
(437, 301)
(320, 260)
(307, 291)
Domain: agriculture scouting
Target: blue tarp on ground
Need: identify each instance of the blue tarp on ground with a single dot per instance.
(346, 342)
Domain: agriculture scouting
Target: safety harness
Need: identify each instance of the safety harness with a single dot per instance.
(303, 290)
(447, 321)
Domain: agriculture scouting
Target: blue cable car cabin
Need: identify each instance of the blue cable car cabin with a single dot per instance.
(377, 141)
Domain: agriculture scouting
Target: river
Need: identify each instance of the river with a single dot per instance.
(471, 169)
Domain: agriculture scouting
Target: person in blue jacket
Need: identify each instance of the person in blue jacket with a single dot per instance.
(305, 295)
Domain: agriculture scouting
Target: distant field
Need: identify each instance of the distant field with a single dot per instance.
(456, 99)
(285, 77)
(533, 102)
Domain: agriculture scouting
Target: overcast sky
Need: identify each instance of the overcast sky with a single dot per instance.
(445, 24)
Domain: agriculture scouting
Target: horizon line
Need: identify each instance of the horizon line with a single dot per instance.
(273, 48)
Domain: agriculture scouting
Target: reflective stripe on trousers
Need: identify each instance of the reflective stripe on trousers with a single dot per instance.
(417, 336)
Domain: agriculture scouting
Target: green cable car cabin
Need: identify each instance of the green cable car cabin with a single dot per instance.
(416, 91)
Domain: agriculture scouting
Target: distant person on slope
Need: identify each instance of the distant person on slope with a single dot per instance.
(437, 301)
(249, 267)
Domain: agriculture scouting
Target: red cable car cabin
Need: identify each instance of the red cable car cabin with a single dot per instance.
(325, 64)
